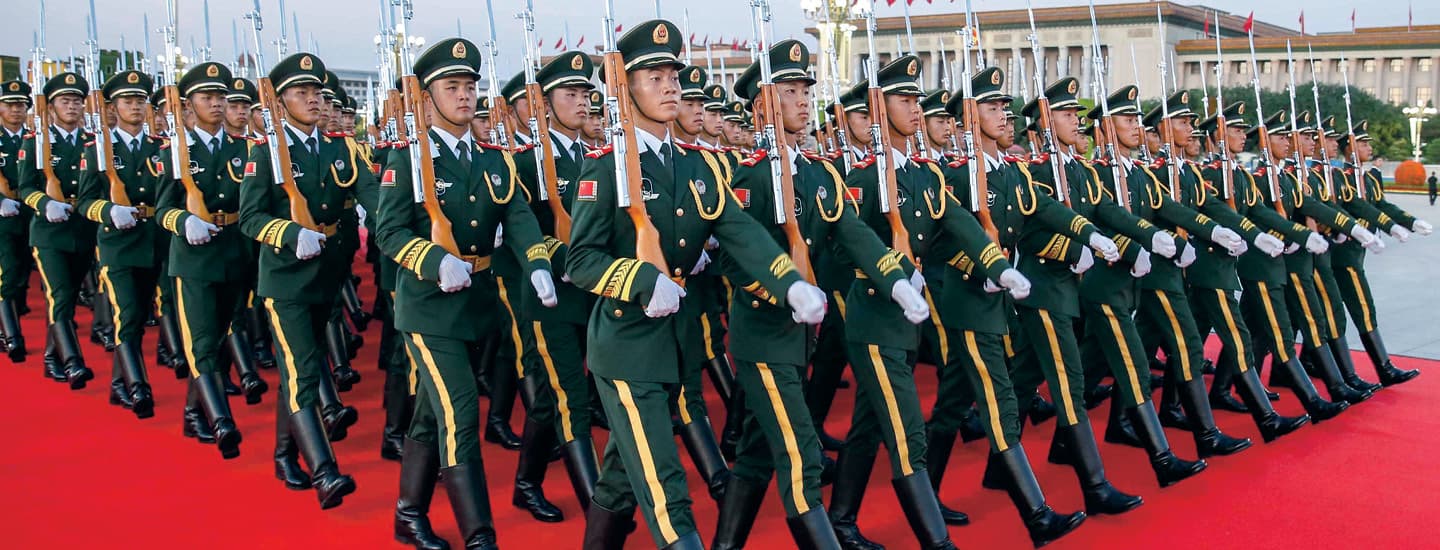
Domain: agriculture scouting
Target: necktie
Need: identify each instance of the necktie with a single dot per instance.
(134, 146)
(214, 145)
(463, 153)
(665, 153)
(576, 151)
(310, 145)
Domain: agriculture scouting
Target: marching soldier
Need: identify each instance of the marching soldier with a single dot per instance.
(298, 271)
(595, 124)
(63, 242)
(641, 309)
(14, 265)
(241, 103)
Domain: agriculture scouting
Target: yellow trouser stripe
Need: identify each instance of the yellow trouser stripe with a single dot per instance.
(292, 386)
(840, 303)
(1009, 347)
(647, 462)
(1364, 304)
(49, 288)
(1181, 349)
(1123, 344)
(1280, 352)
(412, 374)
(1060, 376)
(1325, 301)
(787, 433)
(709, 339)
(105, 283)
(562, 400)
(997, 430)
(188, 342)
(680, 404)
(1234, 330)
(514, 329)
(1312, 337)
(902, 446)
(444, 396)
(940, 336)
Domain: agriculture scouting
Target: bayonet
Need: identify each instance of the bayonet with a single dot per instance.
(1350, 133)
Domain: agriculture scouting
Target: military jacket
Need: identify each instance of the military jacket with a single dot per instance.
(142, 177)
(1301, 192)
(13, 226)
(574, 303)
(1214, 267)
(687, 203)
(229, 256)
(1254, 203)
(1367, 212)
(76, 234)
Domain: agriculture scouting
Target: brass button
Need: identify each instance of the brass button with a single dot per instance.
(142, 189)
(678, 272)
(107, 229)
(474, 248)
(1009, 207)
(474, 223)
(919, 236)
(754, 304)
(964, 276)
(1009, 229)
(472, 198)
(324, 206)
(619, 313)
(222, 195)
(917, 213)
(870, 291)
(679, 212)
(1042, 260)
(442, 202)
(682, 243)
(807, 242)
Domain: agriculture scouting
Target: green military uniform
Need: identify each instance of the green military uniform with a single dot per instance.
(14, 249)
(300, 292)
(688, 203)
(64, 250)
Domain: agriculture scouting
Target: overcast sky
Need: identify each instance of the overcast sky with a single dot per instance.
(343, 30)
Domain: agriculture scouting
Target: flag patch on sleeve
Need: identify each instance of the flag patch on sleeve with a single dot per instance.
(84, 163)
(855, 194)
(249, 169)
(743, 195)
(388, 180)
(586, 191)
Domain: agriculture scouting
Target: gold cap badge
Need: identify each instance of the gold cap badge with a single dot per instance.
(306, 63)
(795, 52)
(1074, 86)
(912, 68)
(132, 78)
(212, 71)
(458, 51)
(577, 62)
(661, 34)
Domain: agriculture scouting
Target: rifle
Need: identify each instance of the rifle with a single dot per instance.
(275, 136)
(880, 148)
(1264, 133)
(628, 191)
(1167, 134)
(1227, 163)
(499, 110)
(970, 115)
(1350, 132)
(772, 139)
(42, 116)
(1315, 96)
(539, 125)
(176, 133)
(95, 114)
(1106, 124)
(1300, 170)
(418, 125)
(1047, 133)
(842, 141)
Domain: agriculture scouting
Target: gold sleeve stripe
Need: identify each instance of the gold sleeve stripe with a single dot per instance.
(170, 220)
(1055, 249)
(264, 236)
(962, 262)
(1385, 218)
(419, 258)
(33, 199)
(889, 262)
(991, 255)
(781, 266)
(537, 252)
(1123, 243)
(1078, 224)
(1340, 219)
(758, 291)
(96, 210)
(552, 244)
(405, 250)
(1246, 224)
(618, 279)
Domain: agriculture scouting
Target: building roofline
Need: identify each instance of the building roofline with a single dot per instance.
(1060, 16)
(1320, 42)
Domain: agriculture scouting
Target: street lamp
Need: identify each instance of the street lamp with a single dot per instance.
(1417, 115)
(832, 24)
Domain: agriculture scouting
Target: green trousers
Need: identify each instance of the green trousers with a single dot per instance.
(827, 363)
(980, 359)
(1218, 309)
(299, 333)
(1167, 317)
(1328, 292)
(131, 291)
(206, 312)
(937, 342)
(887, 408)
(1263, 307)
(447, 403)
(778, 435)
(557, 357)
(1302, 300)
(15, 264)
(641, 466)
(1112, 339)
(1046, 350)
(62, 272)
(1355, 292)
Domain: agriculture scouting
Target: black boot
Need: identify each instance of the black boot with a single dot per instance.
(419, 473)
(1169, 469)
(469, 498)
(583, 468)
(939, 446)
(606, 529)
(535, 447)
(54, 367)
(994, 477)
(354, 308)
(853, 475)
(260, 337)
(345, 376)
(102, 328)
(1375, 348)
(1040, 409)
(734, 424)
(1060, 453)
(1097, 395)
(238, 347)
(170, 337)
(502, 402)
(1169, 411)
(737, 513)
(287, 453)
(723, 378)
(1318, 409)
(195, 425)
(330, 485)
(1043, 523)
(68, 348)
(119, 394)
(1329, 372)
(399, 406)
(217, 409)
(1209, 440)
(970, 428)
(811, 530)
(922, 511)
(699, 440)
(337, 416)
(1100, 496)
(829, 442)
(1271, 424)
(1347, 368)
(1119, 429)
(132, 367)
(10, 323)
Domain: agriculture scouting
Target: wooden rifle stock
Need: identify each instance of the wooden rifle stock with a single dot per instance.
(971, 115)
(767, 112)
(647, 237)
(899, 234)
(106, 151)
(1062, 183)
(42, 148)
(552, 187)
(441, 232)
(194, 198)
(299, 206)
(1107, 136)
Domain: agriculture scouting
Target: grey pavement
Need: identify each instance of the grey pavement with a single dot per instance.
(1403, 278)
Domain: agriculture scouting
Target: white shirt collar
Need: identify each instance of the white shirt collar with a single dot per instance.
(565, 142)
(66, 135)
(649, 142)
(1066, 158)
(15, 134)
(451, 141)
(522, 139)
(205, 137)
(993, 163)
(705, 144)
(125, 137)
(314, 133)
(1128, 163)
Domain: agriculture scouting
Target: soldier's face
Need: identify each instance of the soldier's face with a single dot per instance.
(68, 109)
(904, 113)
(794, 105)
(521, 108)
(692, 116)
(302, 104)
(1307, 144)
(713, 123)
(130, 109)
(1066, 124)
(656, 92)
(594, 128)
(453, 99)
(993, 123)
(1281, 146)
(734, 133)
(1332, 147)
(1192, 148)
(1180, 129)
(937, 130)
(1364, 150)
(859, 123)
(208, 106)
(1152, 140)
(257, 120)
(569, 107)
(1128, 130)
(1235, 139)
(12, 113)
(236, 113)
(480, 128)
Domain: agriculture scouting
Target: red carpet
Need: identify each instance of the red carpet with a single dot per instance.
(78, 472)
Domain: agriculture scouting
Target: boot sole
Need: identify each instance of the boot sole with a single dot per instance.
(143, 409)
(1069, 528)
(229, 444)
(337, 497)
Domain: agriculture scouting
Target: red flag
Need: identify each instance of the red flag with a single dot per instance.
(1352, 20)
(705, 42)
(618, 27)
(539, 42)
(692, 38)
(560, 44)
(581, 42)
(889, 2)
(1302, 22)
(1250, 22)
(1411, 25)
(1207, 27)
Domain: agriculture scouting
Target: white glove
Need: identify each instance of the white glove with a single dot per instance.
(360, 211)
(1232, 242)
(1086, 261)
(1377, 246)
(1422, 227)
(1400, 233)
(1163, 243)
(57, 211)
(1316, 244)
(455, 274)
(198, 231)
(499, 235)
(1105, 247)
(1141, 267)
(701, 263)
(1271, 246)
(917, 281)
(807, 303)
(1187, 256)
(9, 208)
(1339, 238)
(309, 242)
(665, 298)
(123, 216)
(1014, 280)
(1294, 247)
(544, 285)
(1366, 238)
(916, 310)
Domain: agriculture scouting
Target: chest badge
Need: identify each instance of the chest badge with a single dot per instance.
(339, 164)
(495, 181)
(295, 170)
(196, 169)
(236, 162)
(117, 161)
(799, 206)
(824, 194)
(561, 185)
(989, 197)
(647, 190)
(441, 186)
(700, 186)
